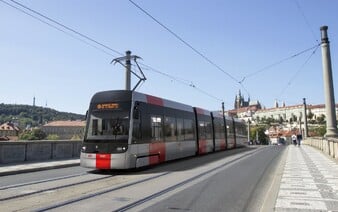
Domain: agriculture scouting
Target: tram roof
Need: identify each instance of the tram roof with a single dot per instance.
(124, 95)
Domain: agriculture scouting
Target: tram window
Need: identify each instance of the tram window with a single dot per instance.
(156, 128)
(136, 131)
(180, 129)
(202, 130)
(219, 133)
(94, 127)
(108, 125)
(188, 129)
(170, 128)
(230, 128)
(208, 130)
(136, 112)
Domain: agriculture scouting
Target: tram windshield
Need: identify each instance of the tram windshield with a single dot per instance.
(108, 125)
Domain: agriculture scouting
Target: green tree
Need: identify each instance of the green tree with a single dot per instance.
(310, 115)
(321, 119)
(35, 134)
(260, 131)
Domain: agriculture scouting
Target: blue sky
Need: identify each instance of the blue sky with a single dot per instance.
(242, 37)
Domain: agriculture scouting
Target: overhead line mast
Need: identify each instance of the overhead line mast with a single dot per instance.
(127, 65)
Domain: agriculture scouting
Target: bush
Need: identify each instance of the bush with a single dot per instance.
(35, 134)
(76, 137)
(53, 137)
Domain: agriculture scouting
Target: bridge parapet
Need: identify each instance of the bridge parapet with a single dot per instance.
(25, 151)
(328, 145)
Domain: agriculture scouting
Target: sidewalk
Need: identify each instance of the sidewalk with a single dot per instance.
(309, 181)
(9, 169)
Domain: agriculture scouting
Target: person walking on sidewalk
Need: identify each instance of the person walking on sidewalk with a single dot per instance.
(294, 139)
(299, 139)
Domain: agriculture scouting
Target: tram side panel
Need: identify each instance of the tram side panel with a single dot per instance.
(205, 142)
(241, 132)
(231, 133)
(219, 132)
(166, 134)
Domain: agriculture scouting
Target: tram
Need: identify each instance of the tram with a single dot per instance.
(127, 129)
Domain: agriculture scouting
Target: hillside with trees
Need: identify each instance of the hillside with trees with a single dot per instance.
(26, 115)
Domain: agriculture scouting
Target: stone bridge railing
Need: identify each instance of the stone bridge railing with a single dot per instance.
(22, 151)
(328, 145)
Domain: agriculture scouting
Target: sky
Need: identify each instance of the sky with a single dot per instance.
(207, 52)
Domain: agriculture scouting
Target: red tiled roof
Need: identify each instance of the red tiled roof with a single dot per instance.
(9, 126)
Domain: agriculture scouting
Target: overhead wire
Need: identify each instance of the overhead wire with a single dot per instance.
(66, 27)
(310, 56)
(293, 77)
(279, 62)
(55, 27)
(306, 20)
(60, 26)
(183, 41)
(183, 81)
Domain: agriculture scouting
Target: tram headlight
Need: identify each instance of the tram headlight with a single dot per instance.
(120, 149)
(84, 148)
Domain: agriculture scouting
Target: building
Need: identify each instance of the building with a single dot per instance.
(65, 129)
(9, 131)
(240, 102)
(244, 109)
(292, 113)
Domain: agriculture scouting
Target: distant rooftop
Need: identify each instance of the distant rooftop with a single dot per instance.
(77, 123)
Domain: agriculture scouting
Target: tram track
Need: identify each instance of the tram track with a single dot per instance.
(72, 195)
(48, 189)
(100, 193)
(152, 196)
(41, 181)
(181, 184)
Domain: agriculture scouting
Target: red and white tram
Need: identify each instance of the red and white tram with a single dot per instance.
(127, 129)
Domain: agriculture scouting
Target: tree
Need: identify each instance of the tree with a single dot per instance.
(260, 131)
(35, 134)
(310, 115)
(321, 119)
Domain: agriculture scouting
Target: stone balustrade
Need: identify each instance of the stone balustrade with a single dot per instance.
(25, 151)
(328, 145)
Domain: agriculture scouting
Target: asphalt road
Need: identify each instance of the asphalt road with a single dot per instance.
(235, 180)
(243, 186)
(29, 177)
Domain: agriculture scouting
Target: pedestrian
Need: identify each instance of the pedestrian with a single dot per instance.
(294, 139)
(299, 139)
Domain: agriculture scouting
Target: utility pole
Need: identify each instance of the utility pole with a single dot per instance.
(249, 131)
(300, 124)
(128, 69)
(225, 126)
(305, 120)
(331, 122)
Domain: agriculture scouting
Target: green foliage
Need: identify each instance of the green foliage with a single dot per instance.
(35, 134)
(260, 130)
(317, 131)
(268, 120)
(33, 115)
(321, 119)
(76, 137)
(53, 137)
